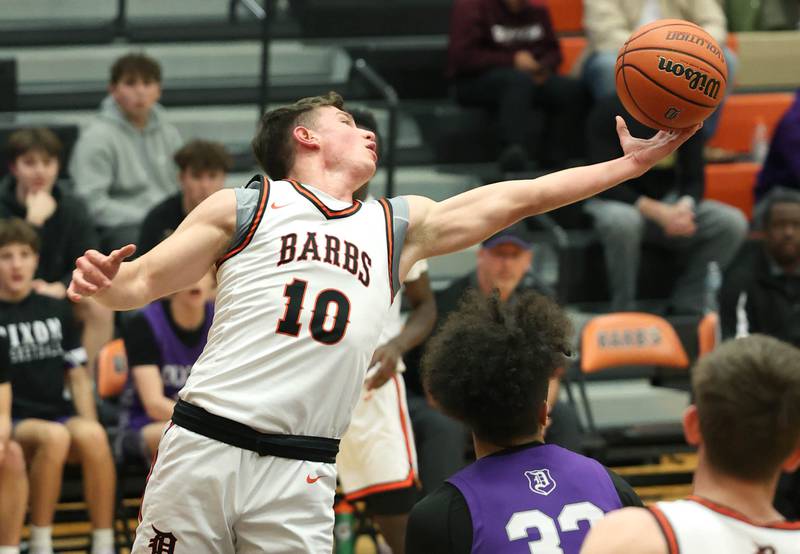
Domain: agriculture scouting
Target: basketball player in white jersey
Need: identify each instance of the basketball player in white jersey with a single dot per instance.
(746, 425)
(306, 278)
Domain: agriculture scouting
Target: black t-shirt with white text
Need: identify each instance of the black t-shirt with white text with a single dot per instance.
(40, 341)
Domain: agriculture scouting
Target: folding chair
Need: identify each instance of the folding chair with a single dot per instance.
(628, 340)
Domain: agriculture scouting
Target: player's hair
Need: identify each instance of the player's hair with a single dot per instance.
(273, 145)
(135, 65)
(203, 155)
(783, 196)
(747, 394)
(17, 231)
(33, 140)
(490, 364)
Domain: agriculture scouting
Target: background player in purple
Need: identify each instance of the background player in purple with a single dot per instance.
(490, 367)
(163, 341)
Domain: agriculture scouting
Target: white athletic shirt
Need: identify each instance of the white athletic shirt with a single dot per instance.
(698, 526)
(302, 297)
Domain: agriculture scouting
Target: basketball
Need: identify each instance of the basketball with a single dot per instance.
(671, 74)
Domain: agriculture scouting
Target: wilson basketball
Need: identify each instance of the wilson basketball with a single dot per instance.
(671, 74)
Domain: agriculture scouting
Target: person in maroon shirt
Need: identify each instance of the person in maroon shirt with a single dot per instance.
(504, 55)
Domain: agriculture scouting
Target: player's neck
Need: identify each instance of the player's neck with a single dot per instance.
(753, 500)
(338, 182)
(187, 316)
(484, 448)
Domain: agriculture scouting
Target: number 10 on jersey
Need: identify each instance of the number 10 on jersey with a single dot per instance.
(290, 324)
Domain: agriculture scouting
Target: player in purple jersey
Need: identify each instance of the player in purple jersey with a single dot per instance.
(163, 341)
(490, 366)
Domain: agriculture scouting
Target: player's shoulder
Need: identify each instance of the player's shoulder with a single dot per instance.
(632, 530)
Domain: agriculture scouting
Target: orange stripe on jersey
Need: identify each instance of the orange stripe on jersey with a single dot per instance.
(262, 205)
(387, 211)
(320, 205)
(724, 510)
(152, 465)
(666, 528)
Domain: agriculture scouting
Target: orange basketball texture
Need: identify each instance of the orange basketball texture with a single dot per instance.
(671, 74)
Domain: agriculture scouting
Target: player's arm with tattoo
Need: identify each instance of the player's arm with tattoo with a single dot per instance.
(437, 228)
(418, 326)
(177, 262)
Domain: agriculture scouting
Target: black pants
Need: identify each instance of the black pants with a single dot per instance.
(513, 96)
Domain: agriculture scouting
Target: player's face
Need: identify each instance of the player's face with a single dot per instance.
(35, 171)
(136, 96)
(503, 266)
(17, 266)
(199, 293)
(199, 185)
(344, 144)
(783, 233)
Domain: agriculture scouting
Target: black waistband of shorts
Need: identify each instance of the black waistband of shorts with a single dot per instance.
(295, 447)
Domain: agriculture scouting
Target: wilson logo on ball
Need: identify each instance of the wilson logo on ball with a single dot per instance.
(672, 113)
(698, 80)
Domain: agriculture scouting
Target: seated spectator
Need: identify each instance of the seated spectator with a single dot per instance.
(745, 423)
(40, 340)
(504, 55)
(65, 230)
(490, 366)
(13, 480)
(609, 23)
(122, 163)
(504, 265)
(202, 166)
(782, 167)
(162, 341)
(761, 290)
(645, 211)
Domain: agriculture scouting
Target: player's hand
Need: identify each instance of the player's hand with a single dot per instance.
(53, 290)
(39, 207)
(647, 152)
(94, 272)
(386, 357)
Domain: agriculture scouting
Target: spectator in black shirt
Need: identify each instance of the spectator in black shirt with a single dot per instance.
(13, 480)
(203, 166)
(490, 366)
(42, 346)
(65, 230)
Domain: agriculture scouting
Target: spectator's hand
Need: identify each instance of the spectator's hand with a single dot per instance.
(388, 356)
(524, 61)
(95, 271)
(645, 153)
(40, 206)
(54, 290)
(678, 220)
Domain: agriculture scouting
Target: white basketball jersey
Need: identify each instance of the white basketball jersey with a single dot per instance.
(698, 526)
(302, 297)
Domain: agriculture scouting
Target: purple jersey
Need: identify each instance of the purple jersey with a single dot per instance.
(177, 360)
(541, 499)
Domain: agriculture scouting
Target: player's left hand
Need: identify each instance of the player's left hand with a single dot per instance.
(386, 357)
(648, 152)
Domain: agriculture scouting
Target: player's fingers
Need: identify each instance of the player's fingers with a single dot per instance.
(81, 286)
(98, 259)
(121, 253)
(622, 127)
(91, 273)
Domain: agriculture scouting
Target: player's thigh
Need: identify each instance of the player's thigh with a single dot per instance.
(35, 434)
(190, 496)
(289, 508)
(87, 437)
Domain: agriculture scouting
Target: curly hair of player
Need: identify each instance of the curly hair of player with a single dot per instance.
(490, 364)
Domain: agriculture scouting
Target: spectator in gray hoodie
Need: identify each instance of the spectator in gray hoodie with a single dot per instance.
(122, 164)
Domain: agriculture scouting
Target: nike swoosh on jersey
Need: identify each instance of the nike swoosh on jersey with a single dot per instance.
(311, 480)
(276, 207)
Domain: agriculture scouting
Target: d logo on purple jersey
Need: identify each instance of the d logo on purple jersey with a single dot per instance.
(540, 481)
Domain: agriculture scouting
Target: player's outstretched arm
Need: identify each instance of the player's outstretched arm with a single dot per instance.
(177, 262)
(437, 228)
(629, 530)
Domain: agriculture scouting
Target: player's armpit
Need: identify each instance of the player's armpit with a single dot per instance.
(629, 530)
